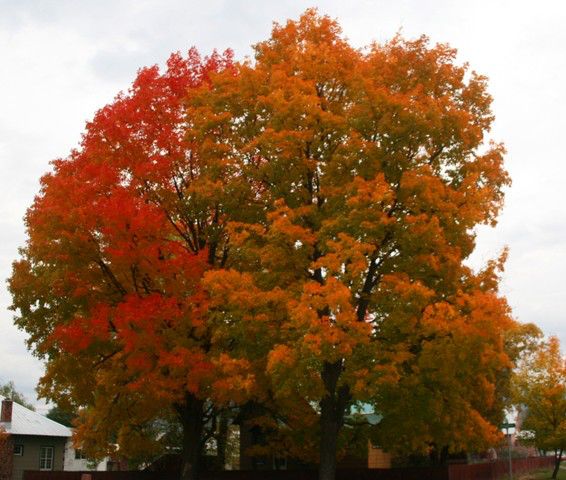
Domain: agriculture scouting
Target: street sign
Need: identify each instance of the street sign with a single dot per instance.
(507, 425)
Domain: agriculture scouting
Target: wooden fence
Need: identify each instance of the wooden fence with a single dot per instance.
(497, 470)
(480, 471)
(440, 473)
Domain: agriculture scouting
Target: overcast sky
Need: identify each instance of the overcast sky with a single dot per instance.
(61, 60)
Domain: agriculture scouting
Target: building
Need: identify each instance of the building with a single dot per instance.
(31, 441)
(76, 461)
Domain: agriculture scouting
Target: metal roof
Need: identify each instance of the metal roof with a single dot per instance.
(27, 422)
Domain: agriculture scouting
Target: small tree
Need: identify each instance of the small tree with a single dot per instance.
(540, 392)
(59, 415)
(8, 390)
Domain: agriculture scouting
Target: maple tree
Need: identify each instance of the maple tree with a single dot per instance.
(288, 234)
(373, 169)
(108, 286)
(540, 395)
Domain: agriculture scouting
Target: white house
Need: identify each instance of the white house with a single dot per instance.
(75, 460)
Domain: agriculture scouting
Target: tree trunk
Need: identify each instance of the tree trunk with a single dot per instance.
(222, 439)
(332, 411)
(191, 414)
(557, 460)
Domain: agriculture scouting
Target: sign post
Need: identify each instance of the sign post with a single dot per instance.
(507, 426)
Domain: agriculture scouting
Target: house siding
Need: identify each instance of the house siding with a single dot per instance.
(71, 464)
(30, 459)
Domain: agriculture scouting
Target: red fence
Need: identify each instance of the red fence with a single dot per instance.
(497, 470)
(440, 473)
(131, 475)
(480, 471)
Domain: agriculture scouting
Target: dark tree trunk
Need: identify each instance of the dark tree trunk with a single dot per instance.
(438, 455)
(191, 414)
(222, 439)
(557, 460)
(332, 411)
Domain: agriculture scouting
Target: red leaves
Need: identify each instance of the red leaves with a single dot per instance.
(119, 240)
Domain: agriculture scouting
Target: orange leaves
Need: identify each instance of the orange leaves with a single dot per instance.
(345, 251)
(280, 356)
(234, 382)
(409, 292)
(371, 177)
(313, 44)
(232, 288)
(282, 221)
(236, 232)
(371, 194)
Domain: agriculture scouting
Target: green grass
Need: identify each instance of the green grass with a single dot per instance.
(543, 474)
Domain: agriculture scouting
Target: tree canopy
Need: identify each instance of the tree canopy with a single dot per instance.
(290, 232)
(64, 417)
(108, 284)
(540, 394)
(8, 391)
(374, 169)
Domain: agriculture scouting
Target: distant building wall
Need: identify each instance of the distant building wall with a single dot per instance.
(29, 460)
(377, 458)
(74, 464)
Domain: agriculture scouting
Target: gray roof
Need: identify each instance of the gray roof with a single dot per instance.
(27, 422)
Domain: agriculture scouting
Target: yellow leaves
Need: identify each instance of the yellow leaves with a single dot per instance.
(542, 376)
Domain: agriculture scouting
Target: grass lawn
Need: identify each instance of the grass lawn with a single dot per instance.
(544, 474)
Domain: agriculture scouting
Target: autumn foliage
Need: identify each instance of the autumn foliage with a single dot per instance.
(109, 283)
(374, 169)
(540, 394)
(288, 232)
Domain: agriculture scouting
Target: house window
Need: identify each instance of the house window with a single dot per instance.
(46, 458)
(79, 455)
(19, 450)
